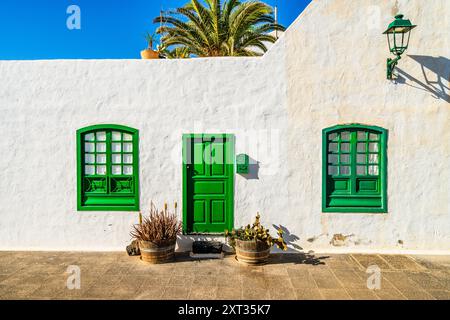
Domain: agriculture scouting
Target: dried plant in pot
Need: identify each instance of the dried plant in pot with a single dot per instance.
(157, 235)
(253, 242)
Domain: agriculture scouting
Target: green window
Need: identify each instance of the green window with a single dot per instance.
(108, 168)
(354, 169)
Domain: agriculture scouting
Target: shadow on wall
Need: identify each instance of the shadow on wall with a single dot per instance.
(253, 170)
(440, 66)
(289, 238)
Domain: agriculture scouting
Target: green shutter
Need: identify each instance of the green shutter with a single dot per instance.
(354, 169)
(108, 168)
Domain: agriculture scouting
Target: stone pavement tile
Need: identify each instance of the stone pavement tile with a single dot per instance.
(430, 262)
(389, 294)
(362, 294)
(155, 293)
(308, 294)
(181, 280)
(257, 282)
(204, 281)
(132, 282)
(334, 294)
(351, 279)
(297, 272)
(443, 277)
(338, 262)
(274, 282)
(440, 294)
(22, 291)
(99, 292)
(416, 294)
(156, 281)
(426, 281)
(255, 294)
(400, 262)
(275, 270)
(107, 281)
(229, 293)
(399, 280)
(175, 293)
(198, 293)
(303, 282)
(229, 281)
(282, 294)
(325, 279)
(366, 260)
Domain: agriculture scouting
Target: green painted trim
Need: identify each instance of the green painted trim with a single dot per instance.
(80, 162)
(230, 162)
(382, 167)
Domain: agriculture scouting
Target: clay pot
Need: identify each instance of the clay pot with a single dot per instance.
(149, 54)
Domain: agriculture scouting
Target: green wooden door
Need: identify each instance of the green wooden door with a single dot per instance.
(208, 187)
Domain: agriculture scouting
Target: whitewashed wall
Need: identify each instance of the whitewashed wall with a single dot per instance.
(314, 77)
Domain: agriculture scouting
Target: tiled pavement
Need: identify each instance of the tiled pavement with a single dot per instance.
(42, 275)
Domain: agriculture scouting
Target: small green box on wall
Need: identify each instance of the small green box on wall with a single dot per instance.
(242, 161)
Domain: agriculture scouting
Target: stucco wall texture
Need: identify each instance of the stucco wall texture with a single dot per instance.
(328, 68)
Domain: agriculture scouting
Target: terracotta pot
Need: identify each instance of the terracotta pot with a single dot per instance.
(149, 54)
(252, 252)
(153, 253)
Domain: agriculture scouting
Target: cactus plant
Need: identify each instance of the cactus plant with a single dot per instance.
(256, 232)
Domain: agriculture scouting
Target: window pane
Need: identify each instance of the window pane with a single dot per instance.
(361, 147)
(344, 170)
(116, 169)
(116, 158)
(101, 147)
(101, 170)
(127, 147)
(373, 147)
(116, 136)
(345, 158)
(332, 170)
(128, 158)
(101, 136)
(361, 170)
(101, 158)
(373, 136)
(373, 158)
(127, 137)
(373, 170)
(360, 158)
(361, 135)
(333, 147)
(345, 136)
(128, 170)
(89, 137)
(333, 158)
(345, 147)
(333, 137)
(89, 147)
(116, 147)
(89, 170)
(89, 158)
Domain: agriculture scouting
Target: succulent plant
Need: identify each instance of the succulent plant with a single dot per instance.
(256, 232)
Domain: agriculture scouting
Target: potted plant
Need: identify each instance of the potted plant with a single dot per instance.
(253, 243)
(149, 53)
(157, 235)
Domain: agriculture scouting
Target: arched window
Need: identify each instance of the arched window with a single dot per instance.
(354, 169)
(108, 168)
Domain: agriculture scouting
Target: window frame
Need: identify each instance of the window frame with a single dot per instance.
(383, 133)
(81, 162)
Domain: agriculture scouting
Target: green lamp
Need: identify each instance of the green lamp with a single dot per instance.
(398, 34)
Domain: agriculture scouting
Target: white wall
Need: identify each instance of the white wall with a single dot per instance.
(314, 77)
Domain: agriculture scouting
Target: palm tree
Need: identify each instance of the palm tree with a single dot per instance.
(208, 28)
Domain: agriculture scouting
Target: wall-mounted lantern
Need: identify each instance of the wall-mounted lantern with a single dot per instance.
(398, 34)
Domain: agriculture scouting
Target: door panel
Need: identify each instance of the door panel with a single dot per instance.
(208, 170)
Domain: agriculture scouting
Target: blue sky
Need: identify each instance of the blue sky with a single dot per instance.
(110, 29)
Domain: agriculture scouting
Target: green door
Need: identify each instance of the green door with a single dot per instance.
(208, 169)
